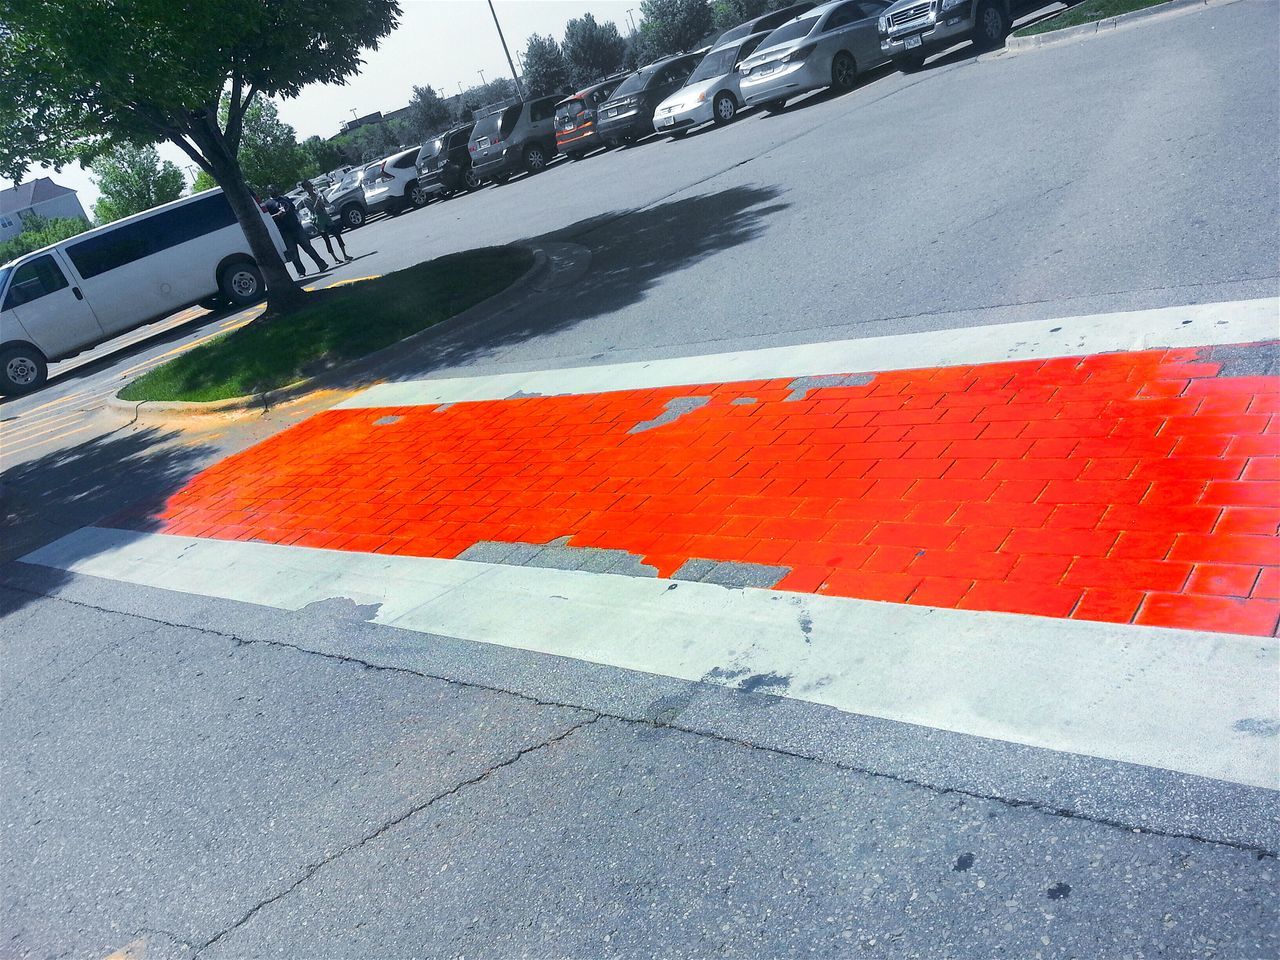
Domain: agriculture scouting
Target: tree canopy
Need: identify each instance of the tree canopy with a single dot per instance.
(37, 232)
(546, 70)
(133, 179)
(428, 114)
(674, 26)
(269, 148)
(79, 81)
(593, 50)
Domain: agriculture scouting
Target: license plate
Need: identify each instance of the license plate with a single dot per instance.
(913, 42)
(610, 113)
(668, 121)
(482, 143)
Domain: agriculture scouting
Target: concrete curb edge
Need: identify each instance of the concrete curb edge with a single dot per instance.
(148, 411)
(1052, 37)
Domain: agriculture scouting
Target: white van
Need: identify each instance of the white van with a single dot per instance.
(71, 296)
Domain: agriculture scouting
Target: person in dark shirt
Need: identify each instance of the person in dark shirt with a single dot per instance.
(285, 214)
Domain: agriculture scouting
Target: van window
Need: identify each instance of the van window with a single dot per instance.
(133, 241)
(33, 280)
(542, 109)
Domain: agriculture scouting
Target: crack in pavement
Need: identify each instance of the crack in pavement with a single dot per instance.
(1259, 851)
(312, 869)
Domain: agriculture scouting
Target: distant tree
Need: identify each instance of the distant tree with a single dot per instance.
(367, 142)
(37, 232)
(428, 114)
(133, 179)
(203, 182)
(546, 70)
(324, 155)
(269, 150)
(673, 26)
(593, 50)
(81, 78)
(484, 95)
(730, 13)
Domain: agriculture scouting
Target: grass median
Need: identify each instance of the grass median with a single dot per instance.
(1088, 11)
(341, 324)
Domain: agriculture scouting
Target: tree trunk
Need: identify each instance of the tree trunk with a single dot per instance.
(283, 295)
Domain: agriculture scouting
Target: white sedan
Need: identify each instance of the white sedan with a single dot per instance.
(711, 93)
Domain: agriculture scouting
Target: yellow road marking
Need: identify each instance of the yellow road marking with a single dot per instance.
(44, 440)
(24, 430)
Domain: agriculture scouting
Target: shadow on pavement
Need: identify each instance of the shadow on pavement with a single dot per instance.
(50, 496)
(631, 251)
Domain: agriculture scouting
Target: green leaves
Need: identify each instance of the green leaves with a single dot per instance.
(133, 179)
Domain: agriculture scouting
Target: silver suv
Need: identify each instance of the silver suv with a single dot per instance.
(519, 137)
(912, 29)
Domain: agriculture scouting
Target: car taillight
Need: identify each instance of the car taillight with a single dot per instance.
(471, 148)
(800, 53)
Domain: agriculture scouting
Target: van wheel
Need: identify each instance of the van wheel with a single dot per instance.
(471, 180)
(844, 72)
(535, 158)
(241, 283)
(724, 108)
(353, 216)
(22, 369)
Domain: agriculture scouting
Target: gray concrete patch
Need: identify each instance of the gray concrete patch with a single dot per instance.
(801, 386)
(726, 573)
(675, 409)
(1246, 359)
(743, 401)
(387, 421)
(557, 555)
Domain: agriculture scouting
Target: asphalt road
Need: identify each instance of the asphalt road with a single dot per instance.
(183, 776)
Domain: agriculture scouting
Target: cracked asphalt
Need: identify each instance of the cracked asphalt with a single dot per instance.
(179, 792)
(187, 777)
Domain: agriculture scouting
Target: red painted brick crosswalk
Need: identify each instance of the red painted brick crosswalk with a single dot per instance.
(1135, 487)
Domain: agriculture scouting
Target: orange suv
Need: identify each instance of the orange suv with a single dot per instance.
(576, 118)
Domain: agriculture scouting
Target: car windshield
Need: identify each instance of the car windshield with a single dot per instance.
(737, 33)
(634, 83)
(790, 31)
(715, 64)
(4, 275)
(570, 109)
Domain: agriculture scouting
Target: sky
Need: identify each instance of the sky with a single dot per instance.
(438, 42)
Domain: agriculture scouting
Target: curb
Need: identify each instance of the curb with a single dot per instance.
(151, 411)
(1018, 44)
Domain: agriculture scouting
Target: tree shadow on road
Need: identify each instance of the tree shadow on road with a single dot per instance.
(124, 472)
(631, 251)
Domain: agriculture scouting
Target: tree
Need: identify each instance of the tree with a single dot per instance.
(730, 13)
(79, 82)
(428, 114)
(369, 141)
(269, 150)
(673, 26)
(546, 70)
(133, 179)
(483, 95)
(593, 50)
(37, 232)
(323, 155)
(202, 182)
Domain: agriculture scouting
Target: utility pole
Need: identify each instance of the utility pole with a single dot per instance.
(514, 76)
(631, 10)
(482, 80)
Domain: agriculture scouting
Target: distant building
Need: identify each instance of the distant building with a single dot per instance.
(41, 197)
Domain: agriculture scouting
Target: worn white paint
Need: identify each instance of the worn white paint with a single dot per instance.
(1164, 698)
(1244, 321)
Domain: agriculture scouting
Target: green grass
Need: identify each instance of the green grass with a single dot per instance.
(340, 324)
(1088, 11)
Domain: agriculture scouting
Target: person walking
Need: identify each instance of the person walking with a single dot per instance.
(285, 214)
(330, 227)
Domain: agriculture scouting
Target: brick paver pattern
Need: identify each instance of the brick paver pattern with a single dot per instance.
(1132, 487)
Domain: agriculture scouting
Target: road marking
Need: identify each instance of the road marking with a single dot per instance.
(35, 443)
(1177, 700)
(1243, 321)
(23, 430)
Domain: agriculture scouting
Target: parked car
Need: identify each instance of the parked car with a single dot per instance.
(912, 29)
(628, 115)
(826, 47)
(711, 92)
(519, 137)
(65, 298)
(347, 199)
(763, 24)
(391, 186)
(444, 166)
(576, 118)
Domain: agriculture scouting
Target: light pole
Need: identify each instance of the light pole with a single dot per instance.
(514, 76)
(482, 80)
(631, 10)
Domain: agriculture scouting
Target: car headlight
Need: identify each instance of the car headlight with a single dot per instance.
(884, 24)
(948, 5)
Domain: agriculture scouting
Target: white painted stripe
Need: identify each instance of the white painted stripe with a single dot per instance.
(1163, 698)
(1244, 321)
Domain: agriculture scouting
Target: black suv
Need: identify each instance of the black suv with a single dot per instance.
(444, 168)
(576, 115)
(519, 137)
(628, 114)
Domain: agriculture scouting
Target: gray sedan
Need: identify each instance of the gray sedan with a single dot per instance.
(826, 47)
